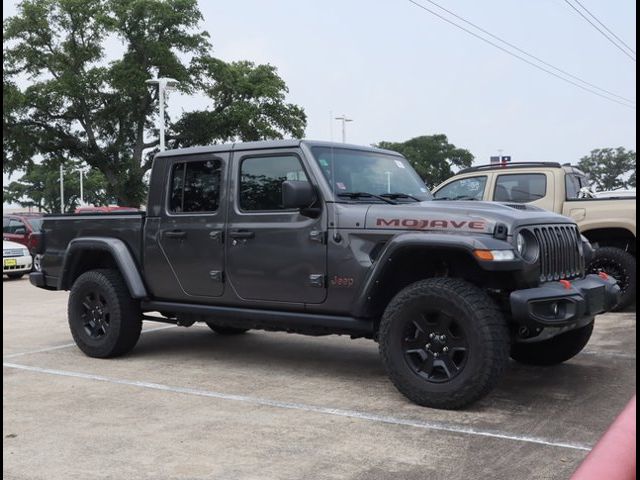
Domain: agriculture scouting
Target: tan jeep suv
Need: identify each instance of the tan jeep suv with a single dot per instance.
(608, 223)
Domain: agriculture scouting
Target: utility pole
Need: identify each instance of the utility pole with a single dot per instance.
(164, 85)
(61, 188)
(81, 171)
(344, 121)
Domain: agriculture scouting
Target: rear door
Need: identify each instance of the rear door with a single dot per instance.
(273, 254)
(191, 227)
(536, 188)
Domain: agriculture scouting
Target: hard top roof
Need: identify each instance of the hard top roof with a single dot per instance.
(265, 145)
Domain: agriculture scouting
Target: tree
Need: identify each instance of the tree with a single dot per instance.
(610, 168)
(39, 187)
(432, 156)
(88, 107)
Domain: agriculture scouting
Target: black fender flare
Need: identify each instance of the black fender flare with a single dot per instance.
(403, 241)
(118, 251)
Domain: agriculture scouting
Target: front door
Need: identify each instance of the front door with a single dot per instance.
(192, 224)
(273, 254)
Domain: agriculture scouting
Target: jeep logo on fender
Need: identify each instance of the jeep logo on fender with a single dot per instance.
(419, 224)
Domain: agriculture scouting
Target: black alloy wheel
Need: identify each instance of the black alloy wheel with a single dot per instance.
(96, 316)
(435, 346)
(444, 342)
(103, 318)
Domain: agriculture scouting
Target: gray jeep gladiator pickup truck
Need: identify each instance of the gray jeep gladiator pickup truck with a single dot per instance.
(324, 238)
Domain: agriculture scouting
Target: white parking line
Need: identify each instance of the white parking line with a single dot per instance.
(437, 426)
(68, 345)
(606, 353)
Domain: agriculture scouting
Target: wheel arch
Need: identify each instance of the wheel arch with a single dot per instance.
(89, 253)
(618, 237)
(411, 257)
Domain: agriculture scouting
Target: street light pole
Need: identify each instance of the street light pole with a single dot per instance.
(164, 85)
(61, 188)
(81, 186)
(344, 121)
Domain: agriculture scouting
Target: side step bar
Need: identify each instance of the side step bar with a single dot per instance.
(307, 323)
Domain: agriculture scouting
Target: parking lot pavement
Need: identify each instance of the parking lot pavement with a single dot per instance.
(187, 403)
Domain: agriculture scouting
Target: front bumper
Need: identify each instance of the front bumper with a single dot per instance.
(20, 264)
(563, 304)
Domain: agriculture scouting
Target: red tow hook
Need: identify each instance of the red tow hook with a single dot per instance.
(566, 283)
(603, 276)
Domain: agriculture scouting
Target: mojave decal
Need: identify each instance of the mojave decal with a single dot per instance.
(435, 224)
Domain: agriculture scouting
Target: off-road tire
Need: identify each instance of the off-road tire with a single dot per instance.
(622, 264)
(15, 276)
(553, 351)
(479, 319)
(224, 330)
(124, 318)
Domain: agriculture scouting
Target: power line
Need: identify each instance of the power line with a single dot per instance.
(535, 65)
(598, 28)
(515, 47)
(605, 27)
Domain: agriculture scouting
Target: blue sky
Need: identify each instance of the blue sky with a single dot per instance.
(399, 72)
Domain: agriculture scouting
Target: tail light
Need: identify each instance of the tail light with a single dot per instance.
(35, 242)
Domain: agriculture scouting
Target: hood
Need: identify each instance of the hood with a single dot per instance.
(11, 245)
(457, 216)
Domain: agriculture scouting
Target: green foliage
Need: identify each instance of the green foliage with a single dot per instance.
(249, 104)
(83, 104)
(432, 156)
(610, 168)
(39, 187)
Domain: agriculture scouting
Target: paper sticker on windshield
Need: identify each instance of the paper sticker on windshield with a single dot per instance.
(341, 186)
(423, 190)
(399, 164)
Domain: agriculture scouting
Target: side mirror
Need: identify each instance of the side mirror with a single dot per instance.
(297, 194)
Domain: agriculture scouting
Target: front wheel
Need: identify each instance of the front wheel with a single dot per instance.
(104, 320)
(621, 265)
(553, 351)
(443, 342)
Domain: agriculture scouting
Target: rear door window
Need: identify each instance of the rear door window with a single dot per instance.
(195, 187)
(520, 188)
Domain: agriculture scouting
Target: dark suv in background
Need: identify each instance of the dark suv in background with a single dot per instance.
(22, 228)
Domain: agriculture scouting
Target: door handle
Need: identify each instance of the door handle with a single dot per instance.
(245, 234)
(175, 234)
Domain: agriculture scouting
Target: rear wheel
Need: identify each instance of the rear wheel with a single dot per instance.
(104, 320)
(224, 330)
(553, 351)
(621, 265)
(444, 343)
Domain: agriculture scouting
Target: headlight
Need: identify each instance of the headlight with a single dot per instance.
(521, 244)
(527, 246)
(25, 252)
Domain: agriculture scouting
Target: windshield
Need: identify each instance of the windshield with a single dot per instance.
(358, 171)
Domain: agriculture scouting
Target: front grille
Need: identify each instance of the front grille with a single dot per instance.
(13, 252)
(561, 255)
